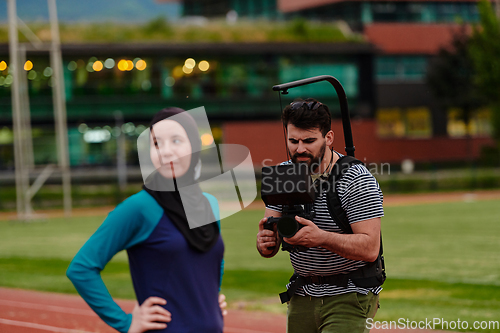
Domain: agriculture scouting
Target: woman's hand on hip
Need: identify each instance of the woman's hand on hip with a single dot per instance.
(149, 316)
(223, 304)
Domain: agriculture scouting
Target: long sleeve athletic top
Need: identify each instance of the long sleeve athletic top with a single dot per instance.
(161, 263)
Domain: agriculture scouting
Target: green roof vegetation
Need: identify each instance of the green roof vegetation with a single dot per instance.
(216, 31)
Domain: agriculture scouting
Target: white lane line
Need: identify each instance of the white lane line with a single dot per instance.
(39, 326)
(53, 308)
(91, 313)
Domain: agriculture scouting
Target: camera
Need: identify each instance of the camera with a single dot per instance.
(287, 226)
(290, 186)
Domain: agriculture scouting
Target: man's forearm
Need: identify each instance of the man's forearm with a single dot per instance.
(351, 246)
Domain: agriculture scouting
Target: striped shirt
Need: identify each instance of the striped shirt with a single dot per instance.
(361, 198)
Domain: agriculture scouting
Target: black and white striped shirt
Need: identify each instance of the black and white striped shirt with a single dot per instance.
(361, 198)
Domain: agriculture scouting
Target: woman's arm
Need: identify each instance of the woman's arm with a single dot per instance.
(124, 227)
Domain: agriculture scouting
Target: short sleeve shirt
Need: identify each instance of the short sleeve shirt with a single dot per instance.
(362, 199)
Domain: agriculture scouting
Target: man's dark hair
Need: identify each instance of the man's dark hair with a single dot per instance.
(308, 114)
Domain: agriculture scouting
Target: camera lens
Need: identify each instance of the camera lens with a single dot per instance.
(287, 226)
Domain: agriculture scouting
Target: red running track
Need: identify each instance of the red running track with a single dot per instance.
(42, 312)
(23, 311)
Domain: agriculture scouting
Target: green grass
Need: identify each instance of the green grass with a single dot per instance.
(442, 261)
(421, 299)
(451, 242)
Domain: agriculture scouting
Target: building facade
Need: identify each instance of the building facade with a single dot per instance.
(384, 78)
(232, 82)
(407, 35)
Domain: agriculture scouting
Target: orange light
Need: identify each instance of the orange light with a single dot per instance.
(130, 65)
(207, 139)
(3, 66)
(177, 72)
(189, 63)
(28, 65)
(141, 65)
(187, 70)
(122, 65)
(97, 66)
(203, 65)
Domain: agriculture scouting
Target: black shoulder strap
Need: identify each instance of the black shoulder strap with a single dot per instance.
(373, 273)
(332, 197)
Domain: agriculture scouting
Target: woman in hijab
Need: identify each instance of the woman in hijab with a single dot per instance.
(176, 269)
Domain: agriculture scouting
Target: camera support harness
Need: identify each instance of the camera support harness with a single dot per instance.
(370, 275)
(373, 273)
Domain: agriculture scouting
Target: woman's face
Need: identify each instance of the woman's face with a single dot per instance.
(170, 146)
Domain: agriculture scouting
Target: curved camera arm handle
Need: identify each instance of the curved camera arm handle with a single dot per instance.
(344, 110)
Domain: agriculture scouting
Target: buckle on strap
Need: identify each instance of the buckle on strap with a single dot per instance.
(340, 280)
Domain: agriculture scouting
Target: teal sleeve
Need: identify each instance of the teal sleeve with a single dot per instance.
(215, 208)
(126, 226)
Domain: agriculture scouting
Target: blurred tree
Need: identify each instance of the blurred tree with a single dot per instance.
(299, 28)
(451, 78)
(485, 54)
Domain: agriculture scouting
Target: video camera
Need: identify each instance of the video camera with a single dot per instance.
(290, 186)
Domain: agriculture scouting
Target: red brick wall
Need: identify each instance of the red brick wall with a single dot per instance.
(412, 38)
(266, 142)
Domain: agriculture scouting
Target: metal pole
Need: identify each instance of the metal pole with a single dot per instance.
(344, 110)
(59, 100)
(26, 144)
(25, 109)
(17, 122)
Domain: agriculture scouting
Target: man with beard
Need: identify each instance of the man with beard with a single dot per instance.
(321, 304)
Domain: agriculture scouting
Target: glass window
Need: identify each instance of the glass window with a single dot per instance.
(411, 123)
(424, 11)
(6, 148)
(39, 75)
(447, 12)
(390, 123)
(479, 123)
(414, 67)
(346, 73)
(386, 67)
(402, 68)
(418, 123)
(227, 85)
(397, 12)
(110, 76)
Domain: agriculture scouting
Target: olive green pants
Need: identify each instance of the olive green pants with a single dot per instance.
(331, 314)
